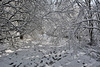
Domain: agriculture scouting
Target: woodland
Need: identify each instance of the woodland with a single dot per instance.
(49, 33)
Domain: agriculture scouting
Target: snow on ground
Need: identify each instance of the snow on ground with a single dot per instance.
(45, 54)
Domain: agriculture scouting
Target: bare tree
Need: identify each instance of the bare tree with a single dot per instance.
(88, 18)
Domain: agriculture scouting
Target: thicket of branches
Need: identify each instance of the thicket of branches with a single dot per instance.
(17, 18)
(57, 18)
(88, 21)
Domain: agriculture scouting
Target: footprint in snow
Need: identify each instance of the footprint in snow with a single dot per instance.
(11, 63)
(14, 65)
(41, 61)
(19, 64)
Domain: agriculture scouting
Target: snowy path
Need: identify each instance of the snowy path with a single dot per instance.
(47, 56)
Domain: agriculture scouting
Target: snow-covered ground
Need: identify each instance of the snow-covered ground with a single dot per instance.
(45, 54)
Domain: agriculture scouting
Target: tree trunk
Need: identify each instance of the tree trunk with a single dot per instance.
(88, 3)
